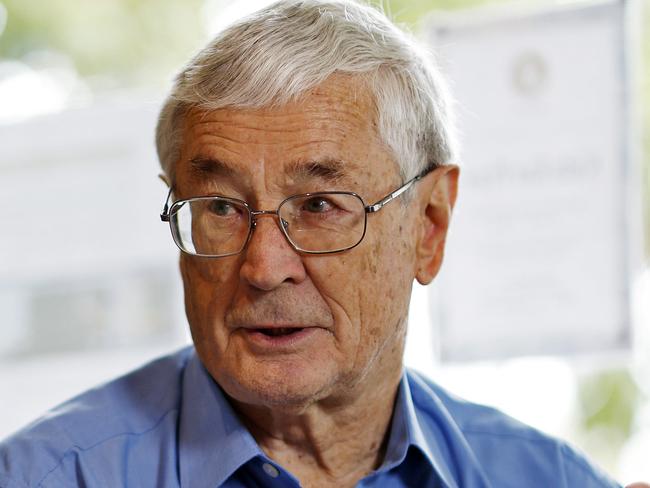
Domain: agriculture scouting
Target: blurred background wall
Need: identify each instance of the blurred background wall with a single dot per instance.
(89, 286)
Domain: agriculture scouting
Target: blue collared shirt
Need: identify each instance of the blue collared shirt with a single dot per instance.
(169, 424)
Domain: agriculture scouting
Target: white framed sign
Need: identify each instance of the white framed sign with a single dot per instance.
(538, 258)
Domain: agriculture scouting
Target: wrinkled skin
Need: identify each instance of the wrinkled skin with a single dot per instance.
(335, 388)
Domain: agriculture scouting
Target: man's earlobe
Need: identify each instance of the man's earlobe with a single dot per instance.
(436, 203)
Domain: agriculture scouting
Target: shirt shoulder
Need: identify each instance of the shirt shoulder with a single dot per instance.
(91, 428)
(509, 452)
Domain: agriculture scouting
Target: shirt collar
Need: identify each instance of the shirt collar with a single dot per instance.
(213, 443)
(406, 432)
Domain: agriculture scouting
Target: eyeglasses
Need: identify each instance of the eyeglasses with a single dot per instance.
(315, 223)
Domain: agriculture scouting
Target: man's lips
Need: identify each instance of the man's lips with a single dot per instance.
(274, 326)
(279, 338)
(275, 330)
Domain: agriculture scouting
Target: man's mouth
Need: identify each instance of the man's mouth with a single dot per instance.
(269, 339)
(279, 331)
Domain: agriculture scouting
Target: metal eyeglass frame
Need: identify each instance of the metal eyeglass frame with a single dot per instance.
(165, 216)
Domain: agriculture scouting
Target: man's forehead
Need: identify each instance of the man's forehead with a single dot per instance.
(329, 134)
(341, 98)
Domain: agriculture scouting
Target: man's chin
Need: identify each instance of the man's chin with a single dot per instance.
(280, 384)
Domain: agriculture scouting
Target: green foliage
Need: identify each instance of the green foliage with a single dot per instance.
(608, 401)
(412, 12)
(124, 39)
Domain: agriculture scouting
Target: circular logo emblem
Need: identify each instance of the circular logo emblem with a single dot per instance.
(530, 73)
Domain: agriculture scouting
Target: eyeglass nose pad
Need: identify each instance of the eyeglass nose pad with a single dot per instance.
(285, 224)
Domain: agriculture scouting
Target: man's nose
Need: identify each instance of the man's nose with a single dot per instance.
(269, 259)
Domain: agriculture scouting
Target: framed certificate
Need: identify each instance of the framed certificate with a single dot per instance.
(542, 244)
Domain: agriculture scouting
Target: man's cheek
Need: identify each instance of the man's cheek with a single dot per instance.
(204, 270)
(209, 287)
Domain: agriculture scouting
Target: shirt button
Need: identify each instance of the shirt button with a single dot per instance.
(271, 470)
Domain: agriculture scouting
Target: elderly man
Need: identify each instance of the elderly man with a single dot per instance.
(307, 150)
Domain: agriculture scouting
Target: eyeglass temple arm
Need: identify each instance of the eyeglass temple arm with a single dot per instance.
(376, 207)
(164, 215)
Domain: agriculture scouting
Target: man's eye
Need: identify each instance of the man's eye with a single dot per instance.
(222, 208)
(317, 205)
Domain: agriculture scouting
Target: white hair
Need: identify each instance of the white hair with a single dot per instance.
(278, 53)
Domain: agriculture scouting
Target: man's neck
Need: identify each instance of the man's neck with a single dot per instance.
(327, 444)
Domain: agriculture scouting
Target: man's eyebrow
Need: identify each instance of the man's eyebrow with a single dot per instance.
(329, 169)
(211, 166)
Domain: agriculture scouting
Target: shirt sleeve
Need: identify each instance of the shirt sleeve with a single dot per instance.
(580, 472)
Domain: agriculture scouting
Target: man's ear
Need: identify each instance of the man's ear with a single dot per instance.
(436, 202)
